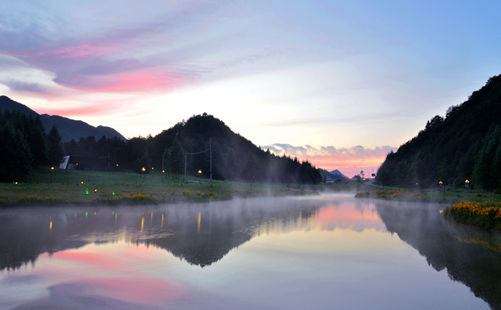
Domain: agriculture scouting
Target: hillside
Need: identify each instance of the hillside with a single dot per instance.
(233, 156)
(68, 128)
(466, 144)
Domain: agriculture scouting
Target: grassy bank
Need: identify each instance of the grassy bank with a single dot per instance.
(486, 214)
(45, 186)
(481, 209)
(451, 196)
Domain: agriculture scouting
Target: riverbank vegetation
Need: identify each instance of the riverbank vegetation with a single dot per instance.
(486, 214)
(451, 195)
(202, 146)
(45, 186)
(482, 209)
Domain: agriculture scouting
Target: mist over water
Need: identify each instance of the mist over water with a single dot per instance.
(317, 252)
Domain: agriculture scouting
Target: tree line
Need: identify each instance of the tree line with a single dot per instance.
(233, 156)
(25, 145)
(465, 145)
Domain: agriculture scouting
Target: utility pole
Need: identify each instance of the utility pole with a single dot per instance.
(185, 159)
(210, 159)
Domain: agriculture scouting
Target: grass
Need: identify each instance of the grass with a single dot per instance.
(90, 187)
(481, 209)
(447, 196)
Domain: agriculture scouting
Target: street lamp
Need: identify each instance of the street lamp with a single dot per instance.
(143, 169)
(441, 184)
(466, 183)
(199, 171)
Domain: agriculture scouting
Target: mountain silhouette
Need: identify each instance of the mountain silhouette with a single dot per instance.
(68, 128)
(465, 145)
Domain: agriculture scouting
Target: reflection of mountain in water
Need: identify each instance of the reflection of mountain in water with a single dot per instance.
(471, 256)
(199, 233)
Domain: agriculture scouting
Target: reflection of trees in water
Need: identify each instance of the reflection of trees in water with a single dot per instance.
(199, 233)
(470, 255)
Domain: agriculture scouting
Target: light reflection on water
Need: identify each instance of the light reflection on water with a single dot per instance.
(323, 252)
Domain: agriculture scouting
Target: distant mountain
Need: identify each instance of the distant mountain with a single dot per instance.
(337, 174)
(68, 128)
(333, 176)
(465, 145)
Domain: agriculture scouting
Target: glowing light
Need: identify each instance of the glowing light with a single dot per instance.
(86, 214)
(199, 171)
(95, 190)
(467, 181)
(52, 168)
(50, 225)
(116, 165)
(142, 224)
(86, 192)
(143, 169)
(16, 182)
(162, 223)
(82, 182)
(113, 193)
(441, 211)
(199, 221)
(163, 171)
(152, 168)
(440, 182)
(95, 213)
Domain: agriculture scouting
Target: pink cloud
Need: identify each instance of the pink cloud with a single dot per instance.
(78, 111)
(131, 81)
(348, 160)
(349, 166)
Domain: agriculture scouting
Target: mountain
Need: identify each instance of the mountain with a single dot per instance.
(207, 143)
(465, 145)
(68, 128)
(338, 175)
(333, 176)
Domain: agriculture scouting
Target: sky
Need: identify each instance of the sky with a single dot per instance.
(340, 83)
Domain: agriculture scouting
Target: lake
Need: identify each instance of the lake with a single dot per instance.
(327, 251)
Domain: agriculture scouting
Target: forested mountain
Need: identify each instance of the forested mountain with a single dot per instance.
(233, 156)
(68, 128)
(466, 144)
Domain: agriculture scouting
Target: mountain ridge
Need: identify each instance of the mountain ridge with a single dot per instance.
(68, 128)
(463, 146)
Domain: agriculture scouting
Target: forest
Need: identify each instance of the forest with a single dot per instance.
(25, 145)
(200, 140)
(462, 148)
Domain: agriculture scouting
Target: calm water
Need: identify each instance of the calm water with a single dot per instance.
(322, 252)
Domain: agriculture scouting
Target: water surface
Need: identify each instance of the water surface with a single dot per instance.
(315, 252)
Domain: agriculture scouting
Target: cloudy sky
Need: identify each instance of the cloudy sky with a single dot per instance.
(338, 82)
